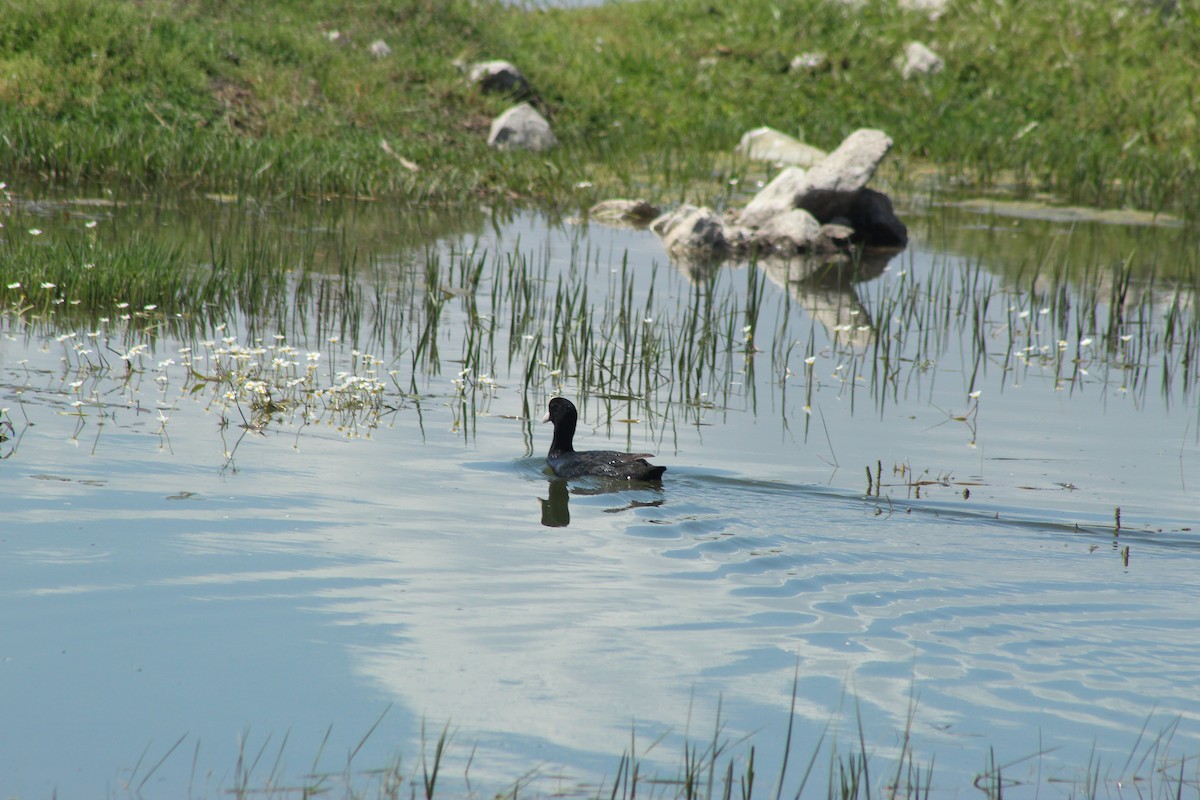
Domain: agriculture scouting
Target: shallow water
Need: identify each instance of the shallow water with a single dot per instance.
(199, 604)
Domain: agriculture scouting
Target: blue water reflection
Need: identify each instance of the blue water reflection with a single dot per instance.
(180, 593)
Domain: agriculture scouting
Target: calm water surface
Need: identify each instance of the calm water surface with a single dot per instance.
(193, 604)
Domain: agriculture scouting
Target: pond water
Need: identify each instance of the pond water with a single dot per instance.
(269, 551)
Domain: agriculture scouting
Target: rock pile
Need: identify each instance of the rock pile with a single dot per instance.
(824, 209)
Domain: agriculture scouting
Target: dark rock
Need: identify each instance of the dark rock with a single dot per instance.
(875, 222)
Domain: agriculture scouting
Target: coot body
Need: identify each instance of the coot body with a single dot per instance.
(567, 463)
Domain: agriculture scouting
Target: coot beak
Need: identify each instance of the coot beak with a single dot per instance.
(547, 417)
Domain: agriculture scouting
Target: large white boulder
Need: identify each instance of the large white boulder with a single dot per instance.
(777, 197)
(830, 187)
(521, 128)
(768, 144)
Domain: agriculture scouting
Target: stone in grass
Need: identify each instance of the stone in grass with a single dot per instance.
(521, 128)
(933, 9)
(809, 62)
(499, 77)
(831, 186)
(768, 144)
(919, 60)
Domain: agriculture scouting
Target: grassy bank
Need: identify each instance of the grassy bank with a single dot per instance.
(1093, 100)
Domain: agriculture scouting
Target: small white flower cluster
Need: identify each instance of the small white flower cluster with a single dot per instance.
(274, 380)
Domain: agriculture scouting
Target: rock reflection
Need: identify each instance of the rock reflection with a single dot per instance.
(824, 286)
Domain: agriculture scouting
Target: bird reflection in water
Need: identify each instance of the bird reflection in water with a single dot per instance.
(556, 509)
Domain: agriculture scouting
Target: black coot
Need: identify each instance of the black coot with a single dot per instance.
(566, 463)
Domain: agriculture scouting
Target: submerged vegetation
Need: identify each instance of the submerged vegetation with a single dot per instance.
(1094, 100)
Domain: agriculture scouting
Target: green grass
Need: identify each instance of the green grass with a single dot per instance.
(1093, 100)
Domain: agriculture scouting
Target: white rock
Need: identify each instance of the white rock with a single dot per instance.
(498, 76)
(691, 231)
(931, 8)
(624, 211)
(919, 60)
(776, 197)
(793, 231)
(831, 186)
(768, 144)
(809, 62)
(521, 128)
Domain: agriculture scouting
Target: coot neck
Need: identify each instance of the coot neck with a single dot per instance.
(564, 434)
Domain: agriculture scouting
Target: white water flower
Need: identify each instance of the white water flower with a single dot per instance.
(15, 285)
(1085, 342)
(975, 394)
(48, 285)
(35, 232)
(91, 223)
